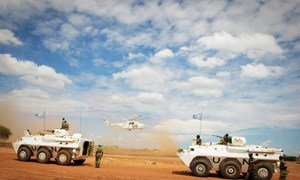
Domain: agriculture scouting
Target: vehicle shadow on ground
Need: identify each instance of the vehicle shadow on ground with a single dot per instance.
(52, 161)
(187, 173)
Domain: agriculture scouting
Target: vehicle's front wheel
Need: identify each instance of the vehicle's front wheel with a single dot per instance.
(63, 157)
(263, 171)
(231, 170)
(200, 168)
(43, 156)
(79, 162)
(24, 153)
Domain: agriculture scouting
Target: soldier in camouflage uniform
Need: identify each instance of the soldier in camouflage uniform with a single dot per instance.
(251, 168)
(283, 169)
(98, 156)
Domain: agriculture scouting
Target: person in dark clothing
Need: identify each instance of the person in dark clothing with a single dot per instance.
(198, 140)
(251, 168)
(283, 169)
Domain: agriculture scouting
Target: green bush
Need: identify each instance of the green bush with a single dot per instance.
(4, 133)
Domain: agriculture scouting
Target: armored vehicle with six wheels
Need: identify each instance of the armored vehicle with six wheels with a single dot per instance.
(231, 159)
(59, 145)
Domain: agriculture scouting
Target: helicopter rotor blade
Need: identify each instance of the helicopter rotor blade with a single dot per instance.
(145, 118)
(133, 119)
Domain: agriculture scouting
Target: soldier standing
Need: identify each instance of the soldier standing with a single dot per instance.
(283, 169)
(198, 140)
(98, 156)
(251, 168)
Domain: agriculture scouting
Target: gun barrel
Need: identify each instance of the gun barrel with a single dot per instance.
(217, 136)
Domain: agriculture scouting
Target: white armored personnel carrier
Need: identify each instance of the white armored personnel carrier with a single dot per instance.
(58, 145)
(230, 159)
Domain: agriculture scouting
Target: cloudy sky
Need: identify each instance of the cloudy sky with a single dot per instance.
(236, 61)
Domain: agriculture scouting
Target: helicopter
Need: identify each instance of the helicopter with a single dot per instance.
(131, 123)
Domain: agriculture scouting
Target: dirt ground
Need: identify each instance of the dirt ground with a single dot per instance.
(112, 167)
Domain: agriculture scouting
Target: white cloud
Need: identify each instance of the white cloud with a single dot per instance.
(189, 22)
(202, 86)
(134, 56)
(79, 19)
(57, 35)
(30, 100)
(151, 98)
(127, 39)
(30, 93)
(98, 62)
(160, 56)
(143, 77)
(251, 17)
(254, 46)
(210, 62)
(261, 71)
(56, 44)
(166, 53)
(122, 99)
(48, 28)
(68, 31)
(8, 37)
(43, 76)
(223, 74)
(190, 126)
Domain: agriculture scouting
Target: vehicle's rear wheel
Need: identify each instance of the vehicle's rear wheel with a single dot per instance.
(43, 156)
(263, 171)
(24, 153)
(231, 170)
(219, 173)
(63, 157)
(79, 162)
(200, 168)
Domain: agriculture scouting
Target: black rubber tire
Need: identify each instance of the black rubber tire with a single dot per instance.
(263, 171)
(219, 173)
(200, 168)
(63, 157)
(24, 153)
(231, 170)
(79, 162)
(43, 156)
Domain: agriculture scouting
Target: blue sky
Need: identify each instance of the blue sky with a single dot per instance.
(236, 61)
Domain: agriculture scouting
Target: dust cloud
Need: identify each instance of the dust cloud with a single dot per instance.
(136, 139)
(166, 143)
(17, 121)
(12, 116)
(9, 117)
